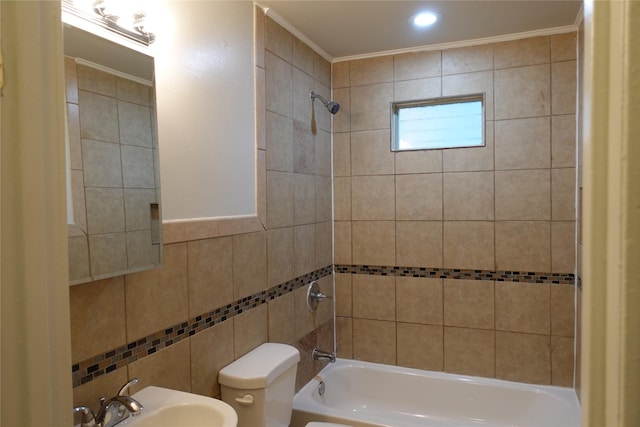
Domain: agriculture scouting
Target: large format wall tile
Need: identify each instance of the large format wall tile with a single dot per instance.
(523, 357)
(374, 341)
(523, 92)
(518, 53)
(418, 197)
(469, 351)
(469, 304)
(210, 274)
(419, 300)
(417, 65)
(420, 346)
(158, 298)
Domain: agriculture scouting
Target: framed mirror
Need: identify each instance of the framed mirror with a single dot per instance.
(113, 204)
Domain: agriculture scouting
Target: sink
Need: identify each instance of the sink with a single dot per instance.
(164, 407)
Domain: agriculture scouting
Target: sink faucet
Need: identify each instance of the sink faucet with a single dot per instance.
(117, 408)
(323, 355)
(112, 411)
(88, 418)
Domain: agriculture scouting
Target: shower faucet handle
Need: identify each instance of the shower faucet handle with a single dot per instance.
(314, 296)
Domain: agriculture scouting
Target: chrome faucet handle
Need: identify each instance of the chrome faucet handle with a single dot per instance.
(319, 296)
(314, 296)
(88, 418)
(133, 406)
(125, 388)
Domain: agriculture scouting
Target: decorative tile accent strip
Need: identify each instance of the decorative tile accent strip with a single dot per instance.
(445, 273)
(90, 369)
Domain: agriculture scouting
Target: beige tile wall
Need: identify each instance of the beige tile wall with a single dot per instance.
(507, 206)
(211, 264)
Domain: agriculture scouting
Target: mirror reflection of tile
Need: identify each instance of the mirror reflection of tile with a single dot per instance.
(115, 194)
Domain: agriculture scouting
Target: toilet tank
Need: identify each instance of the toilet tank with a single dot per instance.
(260, 385)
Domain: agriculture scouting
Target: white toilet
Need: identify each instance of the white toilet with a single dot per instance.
(260, 386)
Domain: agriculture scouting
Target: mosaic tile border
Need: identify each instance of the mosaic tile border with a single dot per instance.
(459, 274)
(92, 368)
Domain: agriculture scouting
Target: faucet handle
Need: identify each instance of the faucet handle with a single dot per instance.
(88, 418)
(125, 388)
(314, 296)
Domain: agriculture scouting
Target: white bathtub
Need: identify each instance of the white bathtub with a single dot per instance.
(362, 394)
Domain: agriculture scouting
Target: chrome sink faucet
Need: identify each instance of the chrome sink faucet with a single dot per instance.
(112, 411)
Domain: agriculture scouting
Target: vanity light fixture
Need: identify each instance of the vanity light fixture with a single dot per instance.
(425, 19)
(124, 18)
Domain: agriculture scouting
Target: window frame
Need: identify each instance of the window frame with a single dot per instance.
(443, 100)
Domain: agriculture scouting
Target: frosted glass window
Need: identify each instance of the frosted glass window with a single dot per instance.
(449, 122)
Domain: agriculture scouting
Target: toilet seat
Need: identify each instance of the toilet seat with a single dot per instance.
(317, 424)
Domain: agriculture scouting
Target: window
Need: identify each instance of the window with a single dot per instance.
(448, 122)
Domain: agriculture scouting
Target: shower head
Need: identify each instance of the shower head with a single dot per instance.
(333, 107)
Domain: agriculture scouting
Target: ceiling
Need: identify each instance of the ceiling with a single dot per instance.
(351, 28)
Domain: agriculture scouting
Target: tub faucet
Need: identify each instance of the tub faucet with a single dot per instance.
(323, 355)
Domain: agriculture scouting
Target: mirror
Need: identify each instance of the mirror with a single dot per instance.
(112, 156)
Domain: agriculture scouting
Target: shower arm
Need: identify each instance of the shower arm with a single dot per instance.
(332, 106)
(314, 95)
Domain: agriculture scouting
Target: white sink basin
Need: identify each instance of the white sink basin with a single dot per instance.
(164, 407)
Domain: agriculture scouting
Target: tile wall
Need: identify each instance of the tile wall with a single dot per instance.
(503, 208)
(227, 286)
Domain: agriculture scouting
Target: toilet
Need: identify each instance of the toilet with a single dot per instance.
(260, 386)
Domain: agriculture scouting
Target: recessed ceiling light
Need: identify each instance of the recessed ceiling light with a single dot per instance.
(425, 19)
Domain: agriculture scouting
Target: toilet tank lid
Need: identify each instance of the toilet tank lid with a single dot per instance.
(258, 368)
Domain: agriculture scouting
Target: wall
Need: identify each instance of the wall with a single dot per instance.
(217, 298)
(205, 95)
(460, 260)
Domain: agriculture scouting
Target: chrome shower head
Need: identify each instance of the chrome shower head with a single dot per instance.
(333, 107)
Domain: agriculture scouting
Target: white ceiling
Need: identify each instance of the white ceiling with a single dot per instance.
(352, 28)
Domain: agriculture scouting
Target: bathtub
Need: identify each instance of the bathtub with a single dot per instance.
(363, 394)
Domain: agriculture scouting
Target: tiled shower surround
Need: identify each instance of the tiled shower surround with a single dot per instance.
(508, 206)
(484, 327)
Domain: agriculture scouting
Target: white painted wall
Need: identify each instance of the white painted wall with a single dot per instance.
(205, 97)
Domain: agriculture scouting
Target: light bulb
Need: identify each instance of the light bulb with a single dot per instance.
(425, 19)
